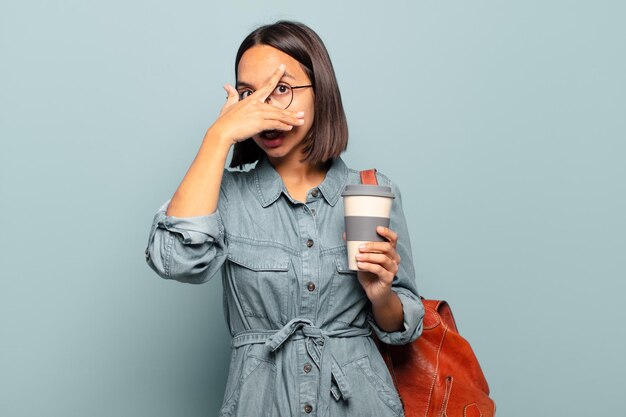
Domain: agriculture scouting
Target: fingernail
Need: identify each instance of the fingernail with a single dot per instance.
(359, 256)
(300, 121)
(362, 247)
(300, 114)
(281, 67)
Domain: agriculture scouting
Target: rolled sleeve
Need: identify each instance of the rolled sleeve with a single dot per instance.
(413, 310)
(188, 249)
(404, 283)
(194, 230)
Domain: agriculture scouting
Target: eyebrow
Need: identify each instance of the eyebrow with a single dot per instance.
(245, 84)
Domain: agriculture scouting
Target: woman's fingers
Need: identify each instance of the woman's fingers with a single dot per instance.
(233, 94)
(380, 259)
(288, 117)
(388, 234)
(276, 125)
(251, 122)
(242, 119)
(270, 117)
(376, 247)
(264, 92)
(381, 247)
(280, 119)
(232, 97)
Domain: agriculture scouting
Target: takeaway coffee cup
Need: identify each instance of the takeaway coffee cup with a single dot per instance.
(365, 208)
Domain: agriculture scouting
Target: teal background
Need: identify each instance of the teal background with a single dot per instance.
(503, 123)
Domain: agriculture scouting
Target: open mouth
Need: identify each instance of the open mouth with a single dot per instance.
(270, 134)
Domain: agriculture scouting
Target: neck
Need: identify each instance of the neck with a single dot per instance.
(293, 171)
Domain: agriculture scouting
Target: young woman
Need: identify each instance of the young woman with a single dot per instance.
(301, 321)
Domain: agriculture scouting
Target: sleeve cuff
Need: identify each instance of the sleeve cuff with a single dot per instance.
(413, 310)
(194, 229)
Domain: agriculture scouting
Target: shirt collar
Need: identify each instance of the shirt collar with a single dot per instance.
(270, 185)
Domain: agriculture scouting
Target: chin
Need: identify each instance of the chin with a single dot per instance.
(276, 153)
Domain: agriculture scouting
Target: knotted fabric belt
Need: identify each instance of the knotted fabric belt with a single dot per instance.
(332, 377)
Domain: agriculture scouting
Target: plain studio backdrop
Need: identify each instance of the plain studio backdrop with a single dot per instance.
(503, 124)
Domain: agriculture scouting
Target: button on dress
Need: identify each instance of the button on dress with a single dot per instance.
(300, 321)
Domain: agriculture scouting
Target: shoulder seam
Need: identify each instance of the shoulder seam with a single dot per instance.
(385, 177)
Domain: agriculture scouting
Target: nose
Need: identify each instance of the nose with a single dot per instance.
(274, 103)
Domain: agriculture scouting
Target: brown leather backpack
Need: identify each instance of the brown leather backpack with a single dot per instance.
(438, 374)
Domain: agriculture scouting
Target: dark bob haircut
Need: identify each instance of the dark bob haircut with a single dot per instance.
(328, 136)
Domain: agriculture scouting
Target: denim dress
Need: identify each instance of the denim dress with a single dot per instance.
(300, 321)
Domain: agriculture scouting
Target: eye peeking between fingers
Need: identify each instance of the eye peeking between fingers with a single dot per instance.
(282, 89)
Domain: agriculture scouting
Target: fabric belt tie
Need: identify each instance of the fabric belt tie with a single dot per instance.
(332, 378)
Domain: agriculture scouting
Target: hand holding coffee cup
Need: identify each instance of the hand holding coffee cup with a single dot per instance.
(365, 208)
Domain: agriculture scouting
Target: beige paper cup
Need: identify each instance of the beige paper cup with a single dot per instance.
(365, 208)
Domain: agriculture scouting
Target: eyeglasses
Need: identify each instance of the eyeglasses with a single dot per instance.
(282, 96)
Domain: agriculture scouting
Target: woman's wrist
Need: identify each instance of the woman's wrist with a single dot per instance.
(216, 138)
(382, 299)
(388, 314)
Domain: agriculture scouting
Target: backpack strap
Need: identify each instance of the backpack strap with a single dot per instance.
(368, 176)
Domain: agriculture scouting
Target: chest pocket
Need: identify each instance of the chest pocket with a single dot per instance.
(348, 298)
(262, 276)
